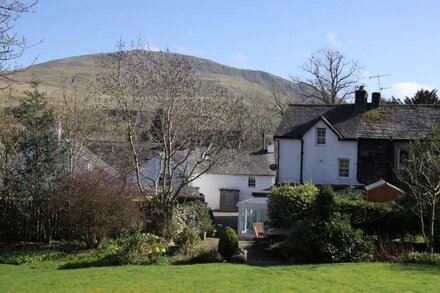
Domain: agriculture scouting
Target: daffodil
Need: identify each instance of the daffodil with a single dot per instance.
(164, 250)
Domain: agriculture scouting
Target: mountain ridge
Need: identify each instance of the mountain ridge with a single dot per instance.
(246, 82)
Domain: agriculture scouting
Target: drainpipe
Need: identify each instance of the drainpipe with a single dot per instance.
(278, 161)
(301, 165)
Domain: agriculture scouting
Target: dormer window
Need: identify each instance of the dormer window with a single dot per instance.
(320, 136)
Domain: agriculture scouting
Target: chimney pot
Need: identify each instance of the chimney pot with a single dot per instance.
(375, 100)
(360, 100)
(270, 148)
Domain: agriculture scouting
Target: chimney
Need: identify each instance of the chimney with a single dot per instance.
(263, 140)
(360, 100)
(270, 148)
(375, 100)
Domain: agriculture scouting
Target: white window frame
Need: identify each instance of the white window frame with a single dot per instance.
(318, 138)
(252, 181)
(398, 149)
(339, 167)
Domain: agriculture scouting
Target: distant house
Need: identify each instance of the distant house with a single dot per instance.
(89, 161)
(119, 155)
(349, 144)
(236, 176)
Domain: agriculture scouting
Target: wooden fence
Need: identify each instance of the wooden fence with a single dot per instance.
(29, 220)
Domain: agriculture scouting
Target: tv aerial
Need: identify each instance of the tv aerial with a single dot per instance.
(379, 76)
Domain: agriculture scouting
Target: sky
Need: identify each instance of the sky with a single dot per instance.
(396, 38)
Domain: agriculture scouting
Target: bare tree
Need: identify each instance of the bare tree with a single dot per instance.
(279, 103)
(421, 174)
(12, 46)
(123, 77)
(159, 96)
(330, 77)
(77, 118)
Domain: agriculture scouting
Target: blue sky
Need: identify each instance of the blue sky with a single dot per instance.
(400, 38)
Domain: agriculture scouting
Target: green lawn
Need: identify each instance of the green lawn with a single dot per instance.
(364, 277)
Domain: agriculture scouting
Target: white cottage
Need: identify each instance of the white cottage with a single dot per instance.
(237, 175)
(349, 144)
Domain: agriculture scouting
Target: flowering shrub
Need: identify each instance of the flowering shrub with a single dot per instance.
(135, 247)
(192, 214)
(422, 258)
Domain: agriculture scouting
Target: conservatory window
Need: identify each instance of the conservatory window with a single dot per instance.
(248, 216)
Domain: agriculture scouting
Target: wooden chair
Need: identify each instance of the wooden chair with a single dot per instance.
(259, 232)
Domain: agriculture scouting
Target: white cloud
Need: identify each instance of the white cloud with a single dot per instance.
(364, 74)
(187, 51)
(401, 90)
(239, 57)
(331, 37)
(153, 48)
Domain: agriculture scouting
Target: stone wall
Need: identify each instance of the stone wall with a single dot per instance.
(376, 161)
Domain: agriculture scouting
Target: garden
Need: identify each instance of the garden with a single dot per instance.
(82, 231)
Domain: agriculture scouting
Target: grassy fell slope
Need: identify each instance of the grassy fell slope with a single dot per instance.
(249, 83)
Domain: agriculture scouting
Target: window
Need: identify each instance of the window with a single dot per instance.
(402, 155)
(320, 136)
(344, 167)
(251, 181)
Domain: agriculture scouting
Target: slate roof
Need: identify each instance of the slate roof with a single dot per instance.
(97, 162)
(403, 122)
(399, 122)
(244, 162)
(118, 154)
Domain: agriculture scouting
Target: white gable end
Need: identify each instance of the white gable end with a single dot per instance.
(326, 159)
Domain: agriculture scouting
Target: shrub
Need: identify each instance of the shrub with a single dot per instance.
(195, 256)
(289, 203)
(192, 214)
(29, 256)
(391, 251)
(384, 219)
(135, 247)
(94, 206)
(324, 205)
(228, 243)
(325, 235)
(159, 217)
(327, 241)
(188, 239)
(422, 258)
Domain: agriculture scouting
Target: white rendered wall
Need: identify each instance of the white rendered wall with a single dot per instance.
(289, 160)
(210, 185)
(320, 162)
(150, 171)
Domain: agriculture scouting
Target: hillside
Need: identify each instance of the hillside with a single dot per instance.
(249, 83)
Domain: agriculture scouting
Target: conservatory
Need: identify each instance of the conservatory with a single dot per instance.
(252, 210)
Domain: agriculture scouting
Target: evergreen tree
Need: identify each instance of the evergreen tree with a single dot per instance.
(40, 147)
(424, 97)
